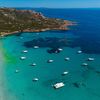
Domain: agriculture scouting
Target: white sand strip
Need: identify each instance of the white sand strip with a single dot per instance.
(4, 93)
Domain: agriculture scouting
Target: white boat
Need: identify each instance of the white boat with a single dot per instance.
(90, 59)
(16, 71)
(36, 47)
(65, 73)
(79, 52)
(60, 49)
(35, 79)
(67, 58)
(25, 51)
(23, 58)
(58, 85)
(84, 64)
(50, 61)
(34, 64)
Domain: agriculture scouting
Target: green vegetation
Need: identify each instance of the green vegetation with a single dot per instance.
(12, 20)
(8, 57)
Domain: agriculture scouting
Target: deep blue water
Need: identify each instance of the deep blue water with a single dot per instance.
(82, 83)
(88, 28)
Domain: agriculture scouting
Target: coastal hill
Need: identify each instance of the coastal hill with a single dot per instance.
(14, 21)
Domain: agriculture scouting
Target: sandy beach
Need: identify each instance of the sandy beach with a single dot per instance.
(2, 76)
(4, 91)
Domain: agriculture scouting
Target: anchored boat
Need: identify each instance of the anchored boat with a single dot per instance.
(58, 85)
(50, 61)
(84, 64)
(25, 51)
(65, 73)
(36, 47)
(16, 71)
(67, 59)
(23, 58)
(35, 79)
(34, 64)
(90, 59)
(79, 52)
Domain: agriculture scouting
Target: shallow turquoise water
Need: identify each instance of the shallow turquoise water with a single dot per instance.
(20, 85)
(85, 36)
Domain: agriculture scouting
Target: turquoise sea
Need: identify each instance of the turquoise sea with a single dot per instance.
(81, 83)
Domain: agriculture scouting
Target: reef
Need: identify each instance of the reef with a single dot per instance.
(53, 43)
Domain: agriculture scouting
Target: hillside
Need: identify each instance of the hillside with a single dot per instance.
(14, 21)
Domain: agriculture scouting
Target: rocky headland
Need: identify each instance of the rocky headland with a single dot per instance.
(14, 21)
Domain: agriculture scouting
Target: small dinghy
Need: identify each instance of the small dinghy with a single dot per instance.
(84, 64)
(50, 61)
(79, 52)
(34, 64)
(16, 71)
(67, 59)
(36, 47)
(23, 58)
(65, 73)
(25, 51)
(35, 79)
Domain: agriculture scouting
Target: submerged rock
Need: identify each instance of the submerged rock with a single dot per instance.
(53, 43)
(53, 50)
(98, 72)
(77, 85)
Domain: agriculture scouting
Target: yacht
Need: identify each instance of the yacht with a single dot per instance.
(58, 85)
(60, 49)
(90, 59)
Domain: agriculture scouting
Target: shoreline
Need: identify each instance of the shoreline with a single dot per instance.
(4, 89)
(63, 27)
(31, 21)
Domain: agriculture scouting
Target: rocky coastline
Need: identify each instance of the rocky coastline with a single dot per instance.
(35, 22)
